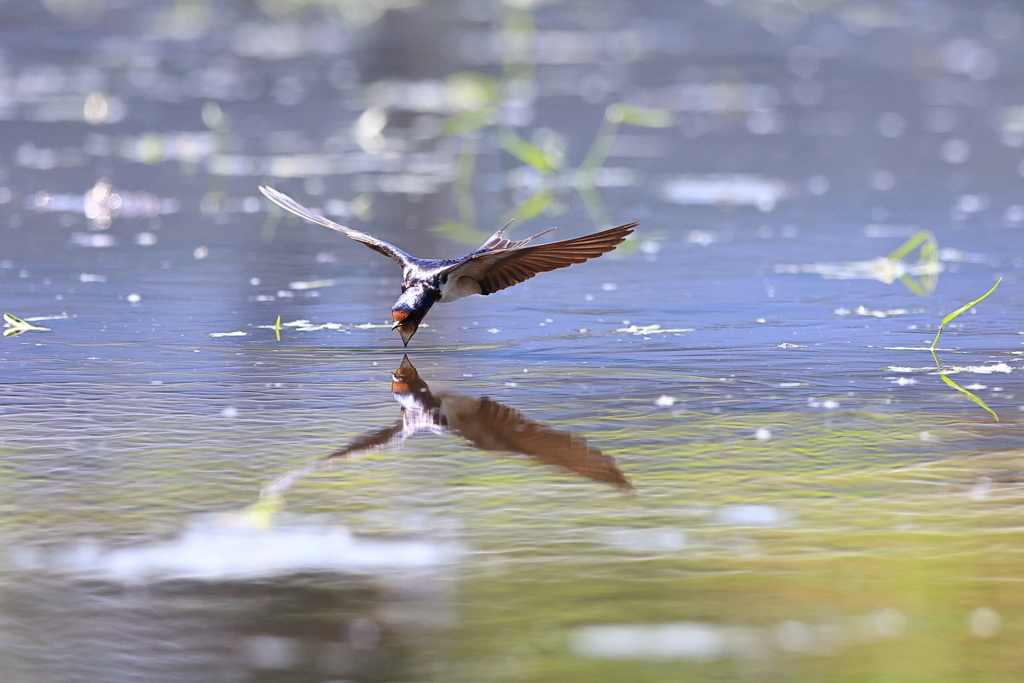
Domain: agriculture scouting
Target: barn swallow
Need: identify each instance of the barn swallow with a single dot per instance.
(497, 264)
(486, 424)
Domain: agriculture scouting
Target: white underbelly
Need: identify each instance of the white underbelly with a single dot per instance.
(458, 288)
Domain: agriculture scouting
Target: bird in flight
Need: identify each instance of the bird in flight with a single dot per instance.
(497, 264)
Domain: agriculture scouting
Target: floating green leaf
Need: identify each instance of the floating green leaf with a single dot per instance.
(16, 326)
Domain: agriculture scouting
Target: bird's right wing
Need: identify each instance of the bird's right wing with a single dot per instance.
(289, 204)
(495, 270)
(493, 426)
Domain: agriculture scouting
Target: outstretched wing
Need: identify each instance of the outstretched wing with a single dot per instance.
(372, 442)
(289, 204)
(493, 426)
(496, 269)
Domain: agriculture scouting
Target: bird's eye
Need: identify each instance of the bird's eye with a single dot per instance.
(404, 286)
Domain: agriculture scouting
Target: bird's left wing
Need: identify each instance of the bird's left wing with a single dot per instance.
(372, 442)
(496, 270)
(289, 204)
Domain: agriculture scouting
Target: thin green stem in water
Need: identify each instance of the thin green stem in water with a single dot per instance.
(935, 356)
(960, 310)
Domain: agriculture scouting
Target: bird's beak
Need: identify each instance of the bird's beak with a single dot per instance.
(406, 331)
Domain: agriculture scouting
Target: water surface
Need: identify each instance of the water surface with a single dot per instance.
(723, 451)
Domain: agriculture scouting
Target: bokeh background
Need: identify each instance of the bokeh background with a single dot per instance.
(812, 493)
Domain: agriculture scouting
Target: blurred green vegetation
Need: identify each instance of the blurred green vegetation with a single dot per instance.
(923, 278)
(485, 97)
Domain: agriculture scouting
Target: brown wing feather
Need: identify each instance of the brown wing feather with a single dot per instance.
(497, 270)
(371, 442)
(498, 241)
(493, 426)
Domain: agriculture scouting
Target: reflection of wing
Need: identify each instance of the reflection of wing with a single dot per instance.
(486, 424)
(492, 426)
(289, 204)
(371, 442)
(495, 268)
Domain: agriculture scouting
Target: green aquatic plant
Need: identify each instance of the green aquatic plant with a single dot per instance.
(938, 366)
(614, 116)
(970, 395)
(15, 326)
(921, 278)
(482, 96)
(928, 266)
(966, 307)
(548, 163)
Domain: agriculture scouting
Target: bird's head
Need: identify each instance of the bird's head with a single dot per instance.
(411, 392)
(410, 308)
(406, 380)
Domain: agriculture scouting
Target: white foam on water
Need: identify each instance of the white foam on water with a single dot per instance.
(752, 515)
(644, 540)
(704, 642)
(987, 369)
(682, 640)
(726, 190)
(218, 551)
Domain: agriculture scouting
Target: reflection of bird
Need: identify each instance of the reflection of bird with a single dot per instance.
(487, 424)
(498, 264)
